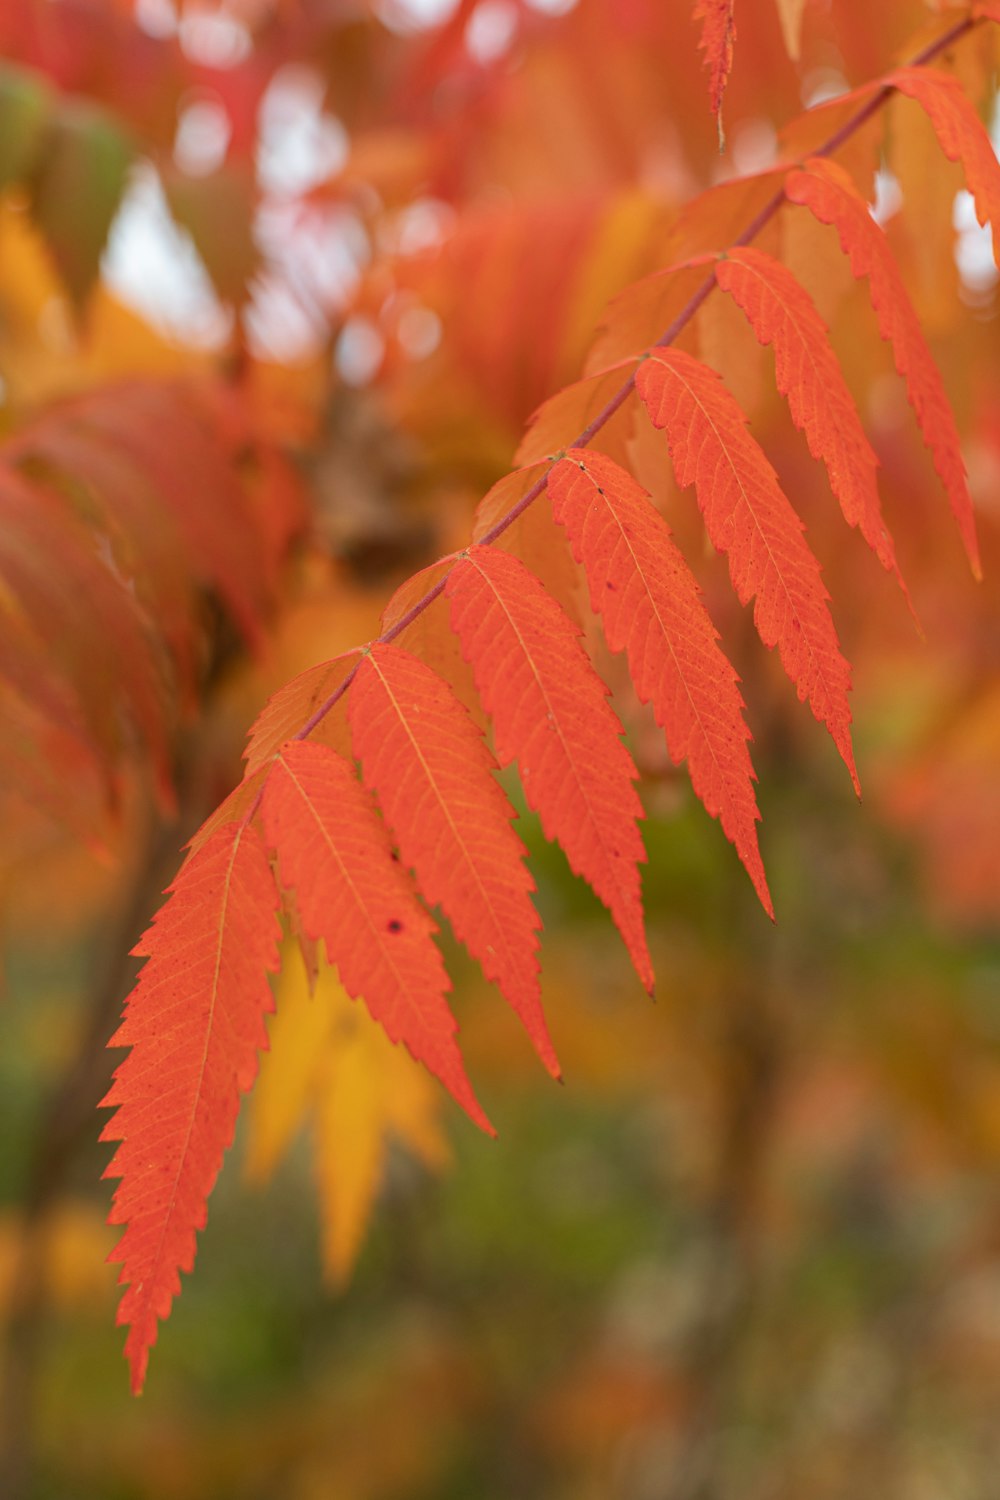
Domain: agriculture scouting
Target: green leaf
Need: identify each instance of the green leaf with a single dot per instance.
(76, 191)
(217, 211)
(25, 105)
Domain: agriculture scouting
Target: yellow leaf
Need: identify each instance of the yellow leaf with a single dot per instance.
(371, 1090)
(330, 1061)
(291, 1070)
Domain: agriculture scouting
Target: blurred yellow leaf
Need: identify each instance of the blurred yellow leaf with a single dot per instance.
(330, 1061)
(70, 1248)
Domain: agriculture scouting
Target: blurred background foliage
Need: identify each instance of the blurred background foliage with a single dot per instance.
(752, 1248)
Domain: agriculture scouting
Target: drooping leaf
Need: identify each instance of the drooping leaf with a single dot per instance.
(825, 189)
(25, 103)
(217, 211)
(76, 190)
(749, 518)
(718, 35)
(550, 713)
(782, 314)
(195, 1023)
(433, 774)
(334, 853)
(331, 1065)
(651, 607)
(370, 1093)
(962, 136)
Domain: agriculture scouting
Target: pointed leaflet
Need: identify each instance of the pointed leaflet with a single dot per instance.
(782, 313)
(825, 189)
(962, 137)
(718, 33)
(351, 892)
(289, 709)
(429, 765)
(330, 1060)
(790, 16)
(550, 712)
(371, 1091)
(195, 1022)
(650, 604)
(748, 516)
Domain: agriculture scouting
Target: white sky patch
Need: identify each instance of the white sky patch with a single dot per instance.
(419, 332)
(423, 225)
(202, 138)
(754, 146)
(279, 327)
(322, 252)
(491, 30)
(973, 247)
(214, 39)
(888, 197)
(153, 267)
(300, 145)
(414, 15)
(821, 84)
(156, 18)
(359, 351)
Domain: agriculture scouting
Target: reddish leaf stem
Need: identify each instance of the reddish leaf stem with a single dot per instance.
(763, 217)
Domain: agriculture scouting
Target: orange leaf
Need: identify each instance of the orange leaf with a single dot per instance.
(334, 852)
(749, 517)
(827, 191)
(433, 774)
(781, 313)
(962, 137)
(292, 706)
(550, 713)
(651, 607)
(718, 33)
(790, 16)
(195, 1022)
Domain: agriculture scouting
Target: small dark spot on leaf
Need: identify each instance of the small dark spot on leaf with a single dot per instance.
(395, 925)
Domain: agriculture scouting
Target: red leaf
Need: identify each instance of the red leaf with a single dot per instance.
(651, 607)
(781, 313)
(195, 1022)
(160, 428)
(76, 617)
(145, 538)
(425, 758)
(748, 516)
(550, 713)
(718, 33)
(825, 189)
(351, 892)
(962, 137)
